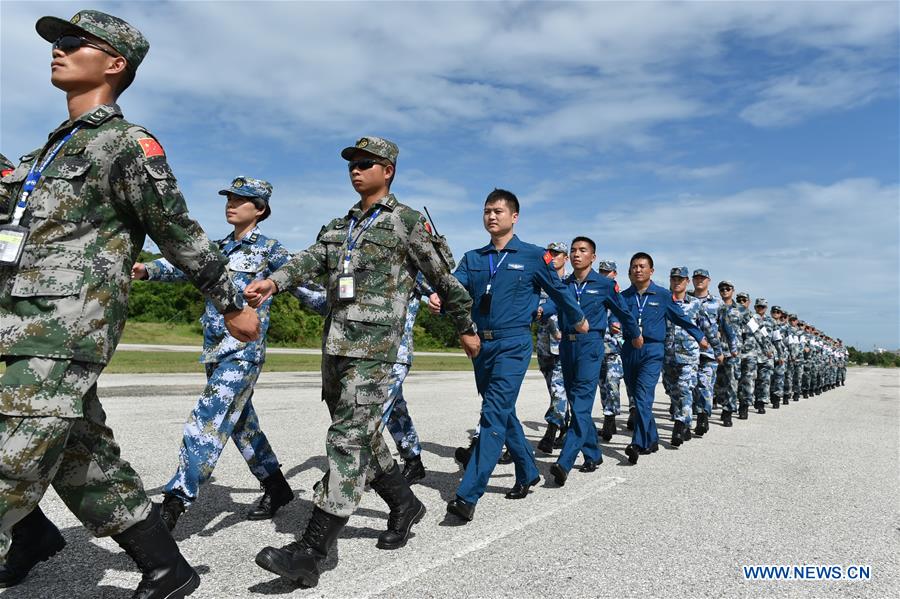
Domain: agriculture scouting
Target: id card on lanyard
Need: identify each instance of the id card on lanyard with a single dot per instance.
(484, 304)
(13, 236)
(640, 306)
(347, 279)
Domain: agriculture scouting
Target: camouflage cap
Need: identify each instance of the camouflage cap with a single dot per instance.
(373, 145)
(777, 309)
(679, 271)
(743, 295)
(761, 301)
(249, 188)
(792, 317)
(701, 272)
(726, 283)
(127, 41)
(558, 246)
(607, 266)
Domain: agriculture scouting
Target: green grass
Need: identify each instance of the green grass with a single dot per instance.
(158, 333)
(128, 362)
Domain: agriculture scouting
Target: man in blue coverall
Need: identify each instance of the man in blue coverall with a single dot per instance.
(505, 278)
(582, 355)
(651, 305)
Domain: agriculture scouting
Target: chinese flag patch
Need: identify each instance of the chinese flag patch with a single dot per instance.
(428, 228)
(6, 171)
(151, 147)
(548, 257)
(617, 288)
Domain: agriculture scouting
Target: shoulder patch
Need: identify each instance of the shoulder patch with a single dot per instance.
(548, 257)
(616, 287)
(6, 171)
(150, 147)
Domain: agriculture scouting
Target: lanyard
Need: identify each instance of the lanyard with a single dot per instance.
(351, 241)
(34, 175)
(640, 306)
(579, 290)
(493, 270)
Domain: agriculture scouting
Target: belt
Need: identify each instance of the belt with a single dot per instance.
(588, 335)
(491, 334)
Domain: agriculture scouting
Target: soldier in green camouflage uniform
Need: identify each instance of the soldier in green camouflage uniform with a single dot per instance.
(104, 185)
(376, 249)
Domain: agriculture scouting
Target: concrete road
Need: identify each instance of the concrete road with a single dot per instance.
(196, 349)
(812, 483)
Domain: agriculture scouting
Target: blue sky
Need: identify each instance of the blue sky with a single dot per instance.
(757, 140)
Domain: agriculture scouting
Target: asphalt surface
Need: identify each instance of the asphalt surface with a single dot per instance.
(196, 349)
(815, 482)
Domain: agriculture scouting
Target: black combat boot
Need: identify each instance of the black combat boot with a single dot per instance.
(797, 396)
(545, 445)
(743, 412)
(686, 434)
(726, 418)
(806, 395)
(609, 427)
(632, 451)
(464, 454)
(166, 574)
(702, 424)
(776, 402)
(405, 508)
(760, 407)
(786, 400)
(632, 414)
(413, 469)
(276, 493)
(299, 561)
(34, 539)
(676, 433)
(561, 438)
(171, 509)
(505, 457)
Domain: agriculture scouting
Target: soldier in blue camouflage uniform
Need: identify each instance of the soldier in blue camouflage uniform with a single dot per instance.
(781, 340)
(395, 411)
(547, 348)
(611, 372)
(765, 367)
(682, 354)
(843, 358)
(88, 197)
(225, 408)
(729, 374)
(370, 258)
(754, 347)
(712, 358)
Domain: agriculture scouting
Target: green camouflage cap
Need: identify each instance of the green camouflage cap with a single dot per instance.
(127, 41)
(375, 146)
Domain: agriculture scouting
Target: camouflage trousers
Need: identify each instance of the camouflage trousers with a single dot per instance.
(808, 376)
(611, 374)
(551, 368)
(747, 382)
(77, 456)
(726, 385)
(764, 370)
(706, 380)
(778, 380)
(799, 374)
(788, 387)
(679, 381)
(355, 392)
(224, 410)
(396, 413)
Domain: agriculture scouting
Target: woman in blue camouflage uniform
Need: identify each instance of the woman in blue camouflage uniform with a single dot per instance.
(225, 408)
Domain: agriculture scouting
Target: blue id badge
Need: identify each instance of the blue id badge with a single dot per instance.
(12, 244)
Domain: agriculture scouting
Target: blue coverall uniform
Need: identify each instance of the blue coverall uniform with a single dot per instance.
(642, 366)
(519, 272)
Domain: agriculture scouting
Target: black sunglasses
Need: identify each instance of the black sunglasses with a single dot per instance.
(70, 43)
(725, 288)
(364, 164)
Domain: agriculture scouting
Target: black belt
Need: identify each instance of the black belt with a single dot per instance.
(588, 335)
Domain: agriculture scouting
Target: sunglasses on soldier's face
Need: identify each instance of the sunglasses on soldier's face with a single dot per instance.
(725, 288)
(363, 165)
(70, 43)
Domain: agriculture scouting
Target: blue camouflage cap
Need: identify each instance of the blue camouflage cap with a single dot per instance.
(777, 309)
(701, 272)
(607, 266)
(558, 246)
(679, 271)
(761, 301)
(249, 188)
(743, 295)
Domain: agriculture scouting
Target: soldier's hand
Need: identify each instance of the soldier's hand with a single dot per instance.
(734, 354)
(557, 335)
(259, 291)
(139, 271)
(615, 328)
(584, 326)
(434, 304)
(540, 312)
(704, 344)
(720, 358)
(471, 344)
(243, 324)
(637, 342)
